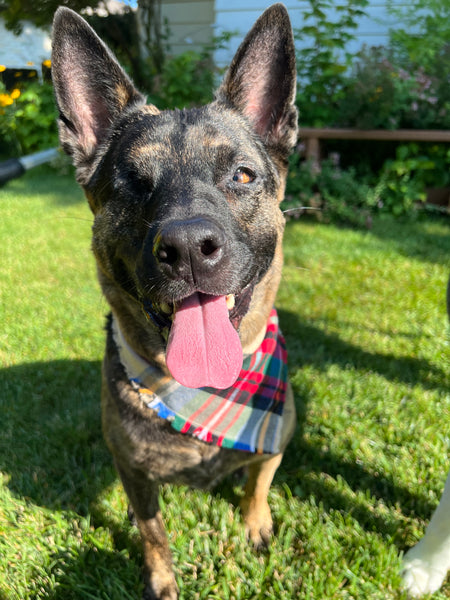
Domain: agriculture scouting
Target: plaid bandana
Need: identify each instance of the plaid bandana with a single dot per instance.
(247, 416)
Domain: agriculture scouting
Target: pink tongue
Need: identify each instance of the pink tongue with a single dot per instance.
(204, 349)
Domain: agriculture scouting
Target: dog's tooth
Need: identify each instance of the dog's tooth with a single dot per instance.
(230, 301)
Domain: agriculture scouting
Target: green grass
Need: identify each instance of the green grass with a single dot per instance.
(364, 317)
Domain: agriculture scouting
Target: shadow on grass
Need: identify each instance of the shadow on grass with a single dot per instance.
(51, 444)
(52, 448)
(311, 345)
(96, 573)
(310, 470)
(53, 452)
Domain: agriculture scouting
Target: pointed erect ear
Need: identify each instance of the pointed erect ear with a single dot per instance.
(91, 88)
(261, 80)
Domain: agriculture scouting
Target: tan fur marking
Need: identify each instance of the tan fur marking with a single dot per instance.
(254, 323)
(122, 95)
(158, 148)
(150, 109)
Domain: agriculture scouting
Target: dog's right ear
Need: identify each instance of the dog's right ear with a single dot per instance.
(91, 88)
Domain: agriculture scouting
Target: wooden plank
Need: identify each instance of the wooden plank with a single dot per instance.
(398, 135)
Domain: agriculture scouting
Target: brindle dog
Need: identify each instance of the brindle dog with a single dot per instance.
(186, 205)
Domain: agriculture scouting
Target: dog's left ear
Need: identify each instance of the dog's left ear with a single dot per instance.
(261, 80)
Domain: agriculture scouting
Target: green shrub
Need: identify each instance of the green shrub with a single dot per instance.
(28, 119)
(385, 93)
(332, 193)
(400, 85)
(188, 79)
(422, 46)
(344, 195)
(322, 58)
(404, 180)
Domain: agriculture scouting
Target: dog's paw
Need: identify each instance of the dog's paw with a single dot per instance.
(258, 523)
(168, 591)
(259, 536)
(422, 573)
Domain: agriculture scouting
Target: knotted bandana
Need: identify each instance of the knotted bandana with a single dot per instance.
(247, 416)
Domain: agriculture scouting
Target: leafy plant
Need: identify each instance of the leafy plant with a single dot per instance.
(404, 180)
(423, 40)
(337, 195)
(188, 79)
(322, 58)
(400, 85)
(388, 93)
(377, 94)
(423, 46)
(28, 119)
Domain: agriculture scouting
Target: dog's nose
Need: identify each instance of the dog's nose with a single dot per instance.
(189, 249)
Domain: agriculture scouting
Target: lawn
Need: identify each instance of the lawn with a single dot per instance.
(364, 317)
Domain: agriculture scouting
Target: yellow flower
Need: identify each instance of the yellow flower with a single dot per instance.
(5, 100)
(30, 63)
(15, 94)
(2, 68)
(47, 63)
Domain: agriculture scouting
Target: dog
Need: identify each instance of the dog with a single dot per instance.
(187, 236)
(425, 566)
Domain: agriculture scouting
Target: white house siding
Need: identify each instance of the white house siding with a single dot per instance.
(190, 23)
(27, 51)
(235, 15)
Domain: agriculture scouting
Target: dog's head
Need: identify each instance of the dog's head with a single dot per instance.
(185, 203)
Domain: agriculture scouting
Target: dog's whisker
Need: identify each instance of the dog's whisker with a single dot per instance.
(73, 218)
(300, 209)
(150, 286)
(296, 268)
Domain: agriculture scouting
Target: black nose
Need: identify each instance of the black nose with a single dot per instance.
(190, 249)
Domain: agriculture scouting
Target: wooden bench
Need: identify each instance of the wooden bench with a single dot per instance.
(312, 136)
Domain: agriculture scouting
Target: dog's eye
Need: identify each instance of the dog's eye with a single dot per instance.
(244, 175)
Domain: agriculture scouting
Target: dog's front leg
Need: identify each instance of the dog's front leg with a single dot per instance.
(144, 498)
(254, 505)
(160, 579)
(425, 566)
